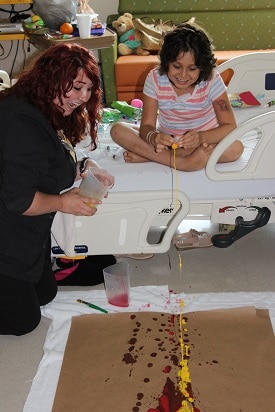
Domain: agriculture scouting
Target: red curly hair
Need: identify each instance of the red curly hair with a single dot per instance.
(51, 75)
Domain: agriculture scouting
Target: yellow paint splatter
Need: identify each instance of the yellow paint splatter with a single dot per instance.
(184, 374)
(180, 261)
(174, 148)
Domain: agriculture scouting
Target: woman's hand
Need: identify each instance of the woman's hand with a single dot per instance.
(106, 178)
(102, 175)
(72, 202)
(68, 202)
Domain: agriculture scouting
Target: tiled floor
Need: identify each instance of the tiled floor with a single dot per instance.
(248, 265)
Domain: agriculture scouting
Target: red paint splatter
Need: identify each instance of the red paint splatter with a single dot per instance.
(128, 358)
(167, 369)
(147, 305)
(170, 400)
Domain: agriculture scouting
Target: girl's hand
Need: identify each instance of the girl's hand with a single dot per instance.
(162, 142)
(190, 140)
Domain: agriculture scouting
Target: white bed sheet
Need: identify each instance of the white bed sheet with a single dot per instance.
(196, 185)
(143, 298)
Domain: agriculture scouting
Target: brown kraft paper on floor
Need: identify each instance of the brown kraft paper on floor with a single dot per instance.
(122, 362)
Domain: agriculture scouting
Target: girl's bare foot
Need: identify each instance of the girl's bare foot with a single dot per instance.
(197, 160)
(131, 157)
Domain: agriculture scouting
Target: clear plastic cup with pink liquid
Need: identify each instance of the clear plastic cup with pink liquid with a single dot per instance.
(117, 284)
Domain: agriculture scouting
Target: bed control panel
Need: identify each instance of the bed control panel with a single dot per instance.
(226, 212)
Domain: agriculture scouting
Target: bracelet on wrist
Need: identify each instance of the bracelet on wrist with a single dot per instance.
(149, 137)
(82, 164)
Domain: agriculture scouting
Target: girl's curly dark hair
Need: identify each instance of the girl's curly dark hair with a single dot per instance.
(188, 37)
(51, 75)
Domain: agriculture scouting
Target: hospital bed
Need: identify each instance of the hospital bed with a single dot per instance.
(149, 195)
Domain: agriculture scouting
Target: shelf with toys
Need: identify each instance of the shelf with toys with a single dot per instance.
(96, 41)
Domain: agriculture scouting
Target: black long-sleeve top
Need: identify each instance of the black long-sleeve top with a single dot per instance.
(32, 158)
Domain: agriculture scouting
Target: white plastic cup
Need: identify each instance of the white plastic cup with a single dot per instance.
(84, 22)
(93, 184)
(117, 284)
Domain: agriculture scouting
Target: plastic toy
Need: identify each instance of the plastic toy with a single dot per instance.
(126, 109)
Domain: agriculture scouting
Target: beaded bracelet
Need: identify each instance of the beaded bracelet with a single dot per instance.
(149, 136)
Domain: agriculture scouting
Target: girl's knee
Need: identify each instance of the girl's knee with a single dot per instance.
(237, 150)
(232, 153)
(115, 131)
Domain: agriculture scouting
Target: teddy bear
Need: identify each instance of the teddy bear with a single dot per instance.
(129, 37)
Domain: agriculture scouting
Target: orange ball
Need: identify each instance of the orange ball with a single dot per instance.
(66, 28)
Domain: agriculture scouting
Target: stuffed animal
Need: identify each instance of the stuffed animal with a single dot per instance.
(129, 37)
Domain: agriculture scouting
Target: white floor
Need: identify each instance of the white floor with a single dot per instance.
(247, 265)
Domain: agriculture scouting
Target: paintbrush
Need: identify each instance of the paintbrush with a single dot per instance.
(91, 305)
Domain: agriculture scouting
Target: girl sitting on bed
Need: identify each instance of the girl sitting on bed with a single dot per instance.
(184, 102)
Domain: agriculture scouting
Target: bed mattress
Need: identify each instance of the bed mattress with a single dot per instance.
(196, 185)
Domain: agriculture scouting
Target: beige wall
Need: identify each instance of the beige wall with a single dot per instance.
(104, 7)
(11, 57)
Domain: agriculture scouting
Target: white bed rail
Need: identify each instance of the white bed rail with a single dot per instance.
(261, 164)
(121, 228)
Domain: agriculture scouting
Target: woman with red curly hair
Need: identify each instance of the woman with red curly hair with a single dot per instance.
(42, 117)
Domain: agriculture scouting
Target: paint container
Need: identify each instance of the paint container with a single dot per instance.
(117, 284)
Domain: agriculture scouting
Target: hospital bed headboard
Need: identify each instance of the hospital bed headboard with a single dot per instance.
(253, 72)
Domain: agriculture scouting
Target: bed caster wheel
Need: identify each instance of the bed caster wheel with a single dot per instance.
(242, 228)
